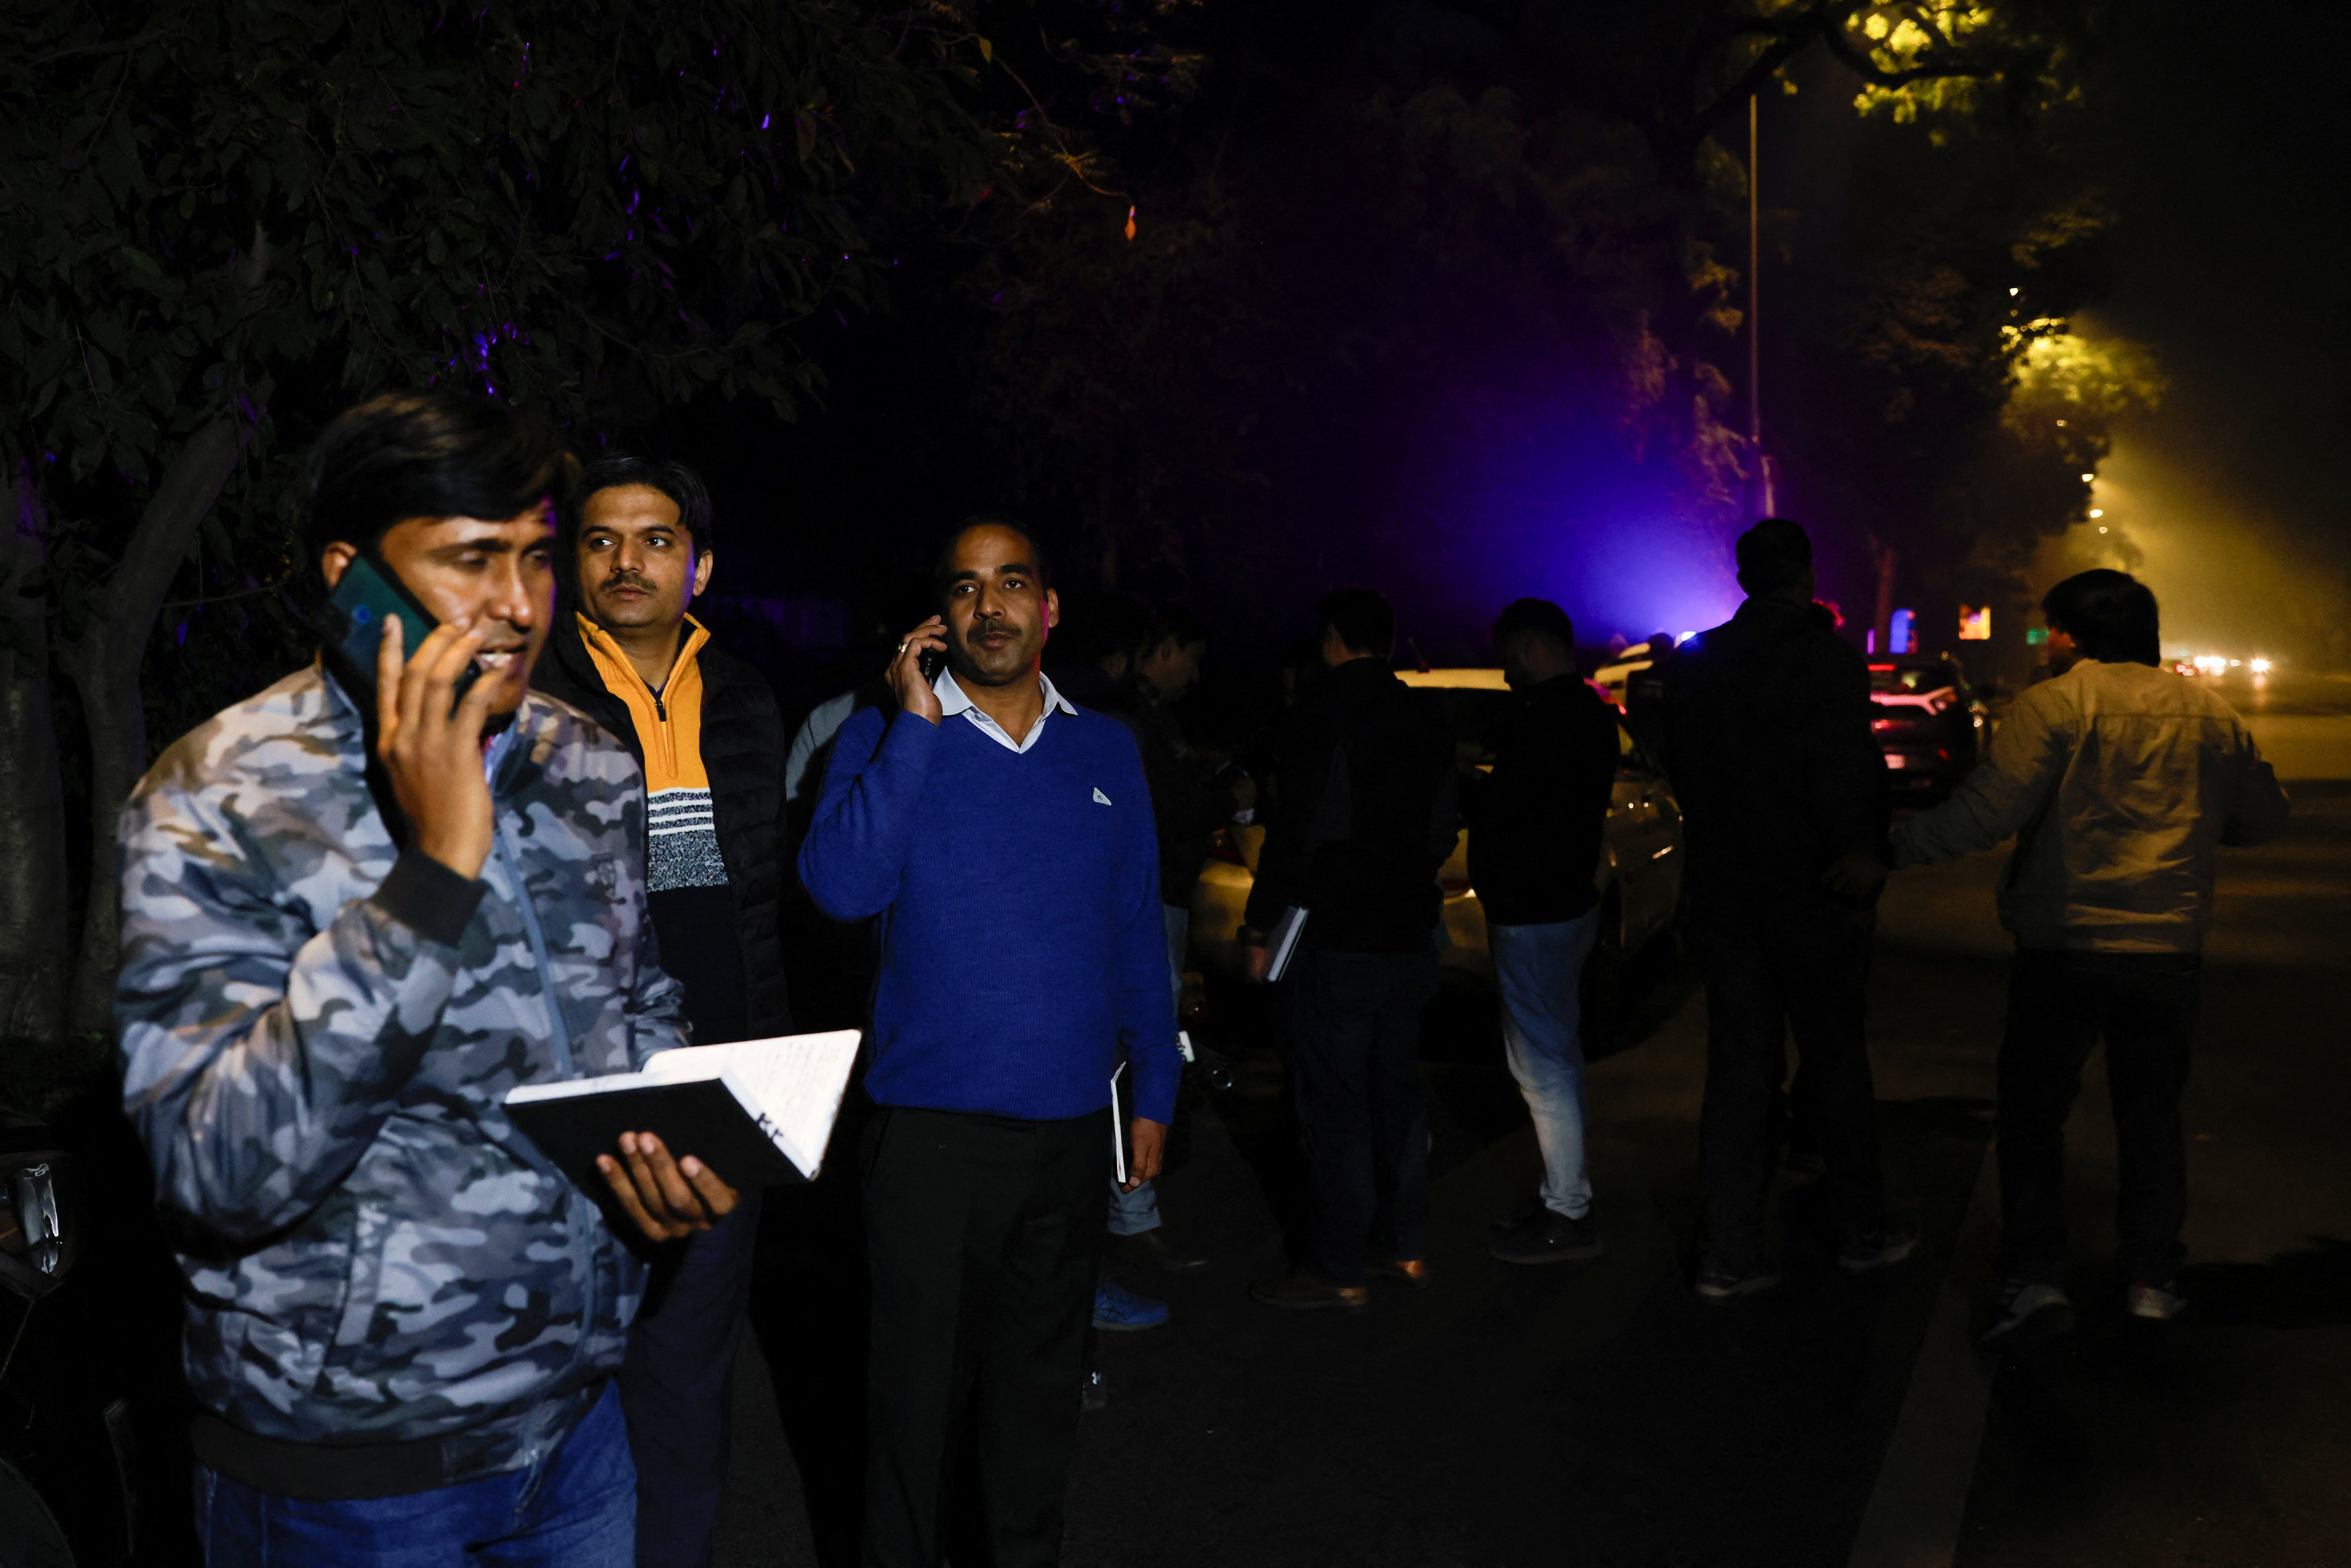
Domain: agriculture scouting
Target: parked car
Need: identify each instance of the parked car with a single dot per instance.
(68, 1485)
(1639, 874)
(1613, 677)
(1927, 720)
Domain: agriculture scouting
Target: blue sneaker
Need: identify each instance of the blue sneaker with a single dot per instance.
(1121, 1311)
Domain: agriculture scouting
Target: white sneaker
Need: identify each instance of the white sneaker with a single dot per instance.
(2028, 1315)
(2156, 1303)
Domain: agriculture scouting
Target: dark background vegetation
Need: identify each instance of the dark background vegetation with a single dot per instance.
(1234, 301)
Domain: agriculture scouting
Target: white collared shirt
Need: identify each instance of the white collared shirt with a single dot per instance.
(953, 700)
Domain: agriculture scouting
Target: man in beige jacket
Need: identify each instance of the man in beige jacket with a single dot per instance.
(2119, 779)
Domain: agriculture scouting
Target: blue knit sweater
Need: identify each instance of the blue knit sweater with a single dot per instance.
(1018, 895)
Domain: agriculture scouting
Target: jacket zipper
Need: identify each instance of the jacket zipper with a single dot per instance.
(592, 1287)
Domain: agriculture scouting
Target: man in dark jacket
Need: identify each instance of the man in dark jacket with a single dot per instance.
(1534, 844)
(707, 732)
(1188, 807)
(1765, 723)
(1364, 815)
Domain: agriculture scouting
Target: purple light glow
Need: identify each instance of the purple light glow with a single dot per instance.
(1542, 496)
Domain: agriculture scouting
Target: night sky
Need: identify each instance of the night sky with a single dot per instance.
(2230, 162)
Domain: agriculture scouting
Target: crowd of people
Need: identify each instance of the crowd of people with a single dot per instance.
(568, 831)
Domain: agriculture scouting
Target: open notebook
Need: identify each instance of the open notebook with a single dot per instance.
(759, 1112)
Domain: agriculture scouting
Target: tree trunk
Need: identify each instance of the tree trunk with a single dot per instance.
(104, 665)
(33, 946)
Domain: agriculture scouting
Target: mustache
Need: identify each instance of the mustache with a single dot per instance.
(626, 579)
(993, 626)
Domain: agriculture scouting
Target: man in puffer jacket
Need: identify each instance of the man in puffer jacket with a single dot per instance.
(350, 926)
(2119, 780)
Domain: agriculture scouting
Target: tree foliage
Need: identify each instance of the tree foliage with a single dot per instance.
(220, 221)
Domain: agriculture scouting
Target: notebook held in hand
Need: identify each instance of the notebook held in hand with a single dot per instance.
(758, 1113)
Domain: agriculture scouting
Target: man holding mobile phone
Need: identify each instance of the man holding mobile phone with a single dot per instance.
(358, 908)
(1003, 837)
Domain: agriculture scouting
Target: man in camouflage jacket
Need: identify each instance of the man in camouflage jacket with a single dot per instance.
(389, 1291)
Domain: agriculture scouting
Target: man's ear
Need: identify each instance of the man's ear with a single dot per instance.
(1052, 610)
(335, 560)
(704, 560)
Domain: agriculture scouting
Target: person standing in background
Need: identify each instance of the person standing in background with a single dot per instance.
(641, 545)
(1534, 845)
(1187, 808)
(2119, 780)
(1765, 730)
(1363, 815)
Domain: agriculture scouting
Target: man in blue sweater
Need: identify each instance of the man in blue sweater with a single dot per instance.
(1003, 839)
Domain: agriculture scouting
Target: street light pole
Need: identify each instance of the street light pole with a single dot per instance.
(1755, 315)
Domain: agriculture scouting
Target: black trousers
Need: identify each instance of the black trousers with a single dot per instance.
(1769, 970)
(2059, 1005)
(1355, 1041)
(677, 1383)
(983, 1234)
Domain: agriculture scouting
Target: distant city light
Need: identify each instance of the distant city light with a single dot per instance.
(2013, 293)
(2102, 528)
(1975, 624)
(2098, 512)
(2260, 666)
(2087, 478)
(2234, 662)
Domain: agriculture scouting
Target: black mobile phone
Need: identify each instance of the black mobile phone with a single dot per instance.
(352, 625)
(931, 661)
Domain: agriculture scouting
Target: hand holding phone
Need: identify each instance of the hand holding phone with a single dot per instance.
(430, 741)
(913, 672)
(366, 599)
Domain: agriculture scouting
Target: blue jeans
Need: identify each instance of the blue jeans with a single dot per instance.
(677, 1384)
(1541, 971)
(1133, 1213)
(576, 1508)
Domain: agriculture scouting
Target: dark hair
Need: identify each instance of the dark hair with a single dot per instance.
(1172, 621)
(2110, 615)
(425, 454)
(1772, 555)
(681, 484)
(942, 565)
(1364, 619)
(1539, 617)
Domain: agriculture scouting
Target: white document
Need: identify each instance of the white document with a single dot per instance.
(791, 1085)
(1282, 942)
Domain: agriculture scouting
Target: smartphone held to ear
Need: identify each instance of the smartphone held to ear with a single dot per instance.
(351, 624)
(931, 661)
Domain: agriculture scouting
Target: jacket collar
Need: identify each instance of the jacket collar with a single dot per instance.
(689, 648)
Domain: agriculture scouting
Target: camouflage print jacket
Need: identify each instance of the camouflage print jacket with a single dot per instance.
(317, 1032)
